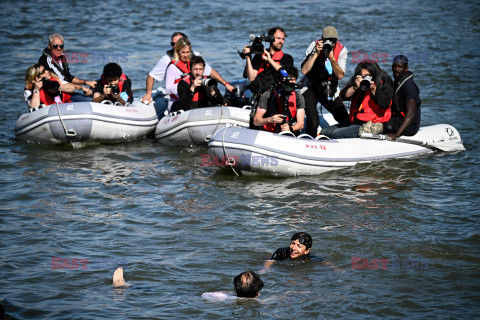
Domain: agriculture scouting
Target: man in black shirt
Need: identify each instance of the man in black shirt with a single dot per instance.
(54, 60)
(193, 90)
(261, 70)
(113, 85)
(406, 113)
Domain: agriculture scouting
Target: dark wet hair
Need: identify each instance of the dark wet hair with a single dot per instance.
(184, 36)
(112, 70)
(247, 284)
(291, 70)
(196, 59)
(272, 31)
(304, 238)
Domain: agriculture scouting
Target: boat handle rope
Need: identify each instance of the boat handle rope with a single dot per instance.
(68, 133)
(230, 161)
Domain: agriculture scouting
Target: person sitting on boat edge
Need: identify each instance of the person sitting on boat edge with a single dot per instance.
(281, 108)
(300, 245)
(261, 70)
(323, 67)
(113, 85)
(41, 89)
(406, 112)
(159, 70)
(370, 91)
(54, 60)
(196, 90)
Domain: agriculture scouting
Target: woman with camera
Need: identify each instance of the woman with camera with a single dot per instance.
(370, 91)
(41, 89)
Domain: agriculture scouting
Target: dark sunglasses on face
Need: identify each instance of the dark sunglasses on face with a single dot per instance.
(172, 44)
(56, 46)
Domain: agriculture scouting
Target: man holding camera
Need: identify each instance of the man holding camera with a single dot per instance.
(196, 90)
(54, 61)
(113, 85)
(262, 69)
(324, 66)
(281, 109)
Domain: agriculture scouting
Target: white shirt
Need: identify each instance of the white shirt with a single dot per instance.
(158, 72)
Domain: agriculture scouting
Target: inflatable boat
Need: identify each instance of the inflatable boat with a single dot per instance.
(83, 123)
(285, 155)
(195, 127)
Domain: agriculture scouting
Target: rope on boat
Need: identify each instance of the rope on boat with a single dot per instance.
(230, 161)
(68, 133)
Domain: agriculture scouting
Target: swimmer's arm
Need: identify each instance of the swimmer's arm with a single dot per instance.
(333, 266)
(266, 266)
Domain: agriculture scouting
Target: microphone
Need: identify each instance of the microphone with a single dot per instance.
(251, 37)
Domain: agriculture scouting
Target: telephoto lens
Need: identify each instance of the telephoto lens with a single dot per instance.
(327, 47)
(115, 89)
(366, 83)
(209, 83)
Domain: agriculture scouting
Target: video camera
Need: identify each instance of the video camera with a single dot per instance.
(286, 83)
(257, 46)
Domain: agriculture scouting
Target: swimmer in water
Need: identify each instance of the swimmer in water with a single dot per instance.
(247, 285)
(299, 248)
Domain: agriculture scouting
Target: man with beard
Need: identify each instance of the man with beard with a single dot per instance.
(261, 70)
(406, 113)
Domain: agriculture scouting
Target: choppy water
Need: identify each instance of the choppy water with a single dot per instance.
(184, 229)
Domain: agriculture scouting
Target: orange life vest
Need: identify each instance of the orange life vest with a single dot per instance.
(292, 106)
(277, 56)
(182, 66)
(47, 100)
(368, 110)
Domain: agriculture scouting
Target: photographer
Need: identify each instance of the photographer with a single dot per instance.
(41, 91)
(324, 65)
(262, 69)
(370, 91)
(196, 90)
(113, 85)
(282, 109)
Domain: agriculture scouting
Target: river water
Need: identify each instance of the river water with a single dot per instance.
(182, 229)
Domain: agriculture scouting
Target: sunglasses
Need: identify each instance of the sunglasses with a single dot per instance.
(56, 46)
(172, 44)
(302, 240)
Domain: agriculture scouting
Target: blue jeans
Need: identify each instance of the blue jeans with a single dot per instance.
(337, 132)
(78, 97)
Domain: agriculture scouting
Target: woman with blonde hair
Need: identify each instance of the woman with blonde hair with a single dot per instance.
(41, 89)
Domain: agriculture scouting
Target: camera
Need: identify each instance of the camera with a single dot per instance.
(327, 85)
(366, 82)
(50, 86)
(115, 89)
(327, 47)
(287, 85)
(209, 83)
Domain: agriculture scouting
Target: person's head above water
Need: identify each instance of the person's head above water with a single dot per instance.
(247, 284)
(300, 245)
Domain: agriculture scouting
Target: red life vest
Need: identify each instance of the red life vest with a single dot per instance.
(123, 78)
(197, 95)
(277, 56)
(292, 106)
(368, 110)
(47, 100)
(182, 66)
